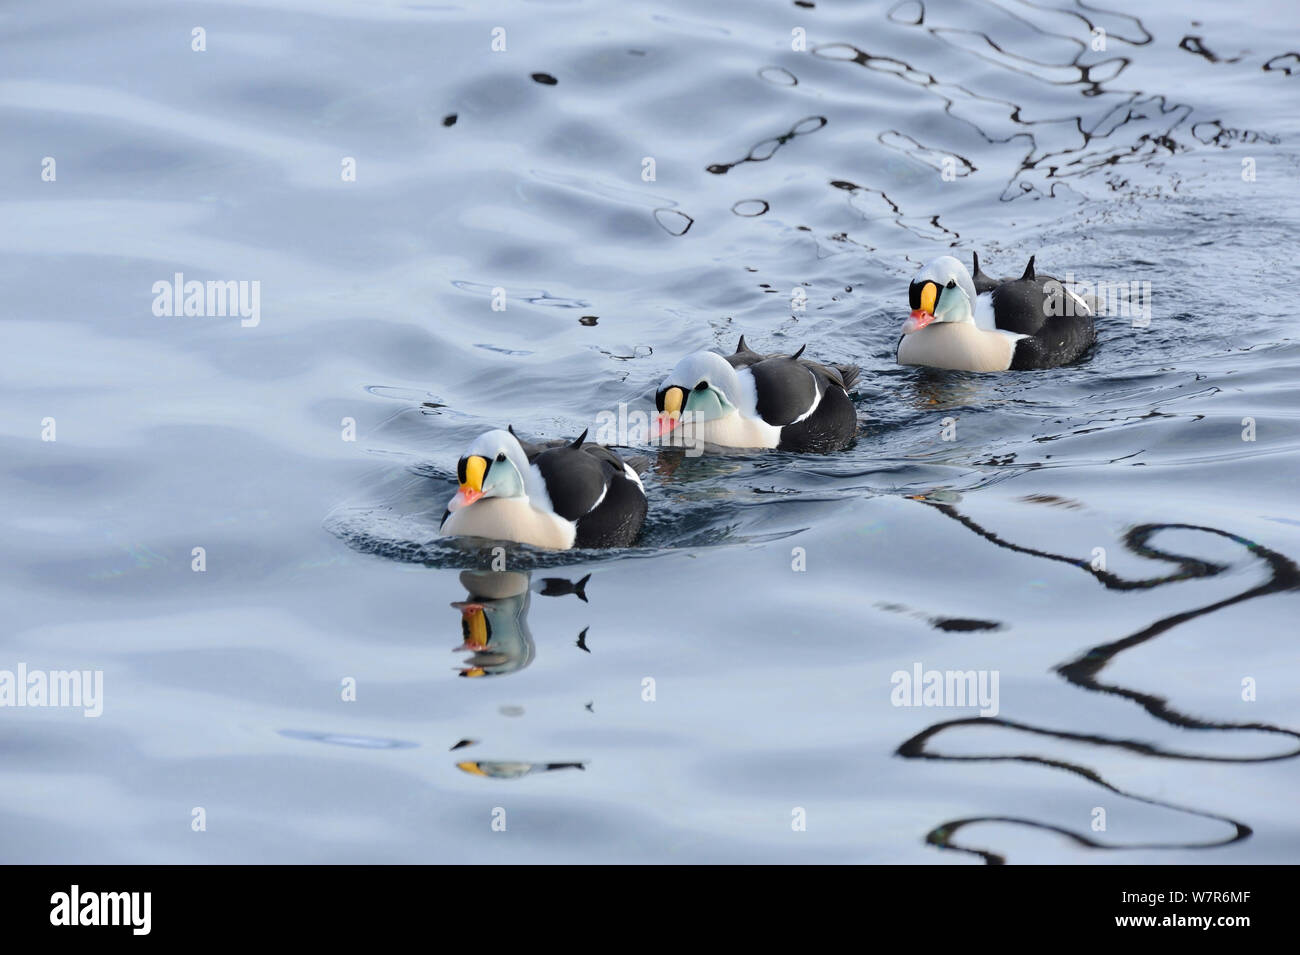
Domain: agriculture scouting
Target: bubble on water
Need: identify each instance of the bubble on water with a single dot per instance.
(778, 76)
(909, 12)
(674, 222)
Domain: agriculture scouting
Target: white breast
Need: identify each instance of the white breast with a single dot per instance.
(735, 431)
(959, 346)
(510, 519)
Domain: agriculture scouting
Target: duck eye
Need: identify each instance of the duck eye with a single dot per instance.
(952, 283)
(501, 455)
(702, 386)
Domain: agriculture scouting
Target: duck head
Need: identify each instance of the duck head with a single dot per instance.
(494, 466)
(703, 384)
(943, 291)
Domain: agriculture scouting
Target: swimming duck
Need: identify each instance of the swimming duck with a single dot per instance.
(982, 324)
(557, 495)
(748, 400)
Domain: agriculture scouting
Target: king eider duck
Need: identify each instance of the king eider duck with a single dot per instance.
(748, 400)
(982, 324)
(558, 495)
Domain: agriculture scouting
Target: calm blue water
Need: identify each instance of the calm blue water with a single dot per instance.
(822, 169)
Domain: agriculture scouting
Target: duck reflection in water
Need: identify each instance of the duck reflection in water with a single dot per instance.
(494, 618)
(502, 769)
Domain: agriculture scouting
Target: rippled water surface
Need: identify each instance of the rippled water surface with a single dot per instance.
(1102, 537)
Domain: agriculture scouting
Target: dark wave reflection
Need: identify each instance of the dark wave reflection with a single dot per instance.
(1084, 672)
(1113, 126)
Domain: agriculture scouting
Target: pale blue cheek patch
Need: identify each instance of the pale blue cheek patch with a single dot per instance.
(707, 405)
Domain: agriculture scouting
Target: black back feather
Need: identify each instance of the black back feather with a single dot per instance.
(744, 356)
(785, 389)
(983, 283)
(842, 376)
(575, 478)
